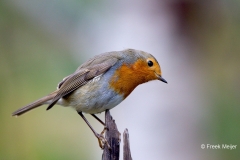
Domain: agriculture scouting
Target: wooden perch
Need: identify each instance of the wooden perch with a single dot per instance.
(113, 136)
(126, 146)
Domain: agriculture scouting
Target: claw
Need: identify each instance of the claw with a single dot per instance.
(102, 141)
(104, 129)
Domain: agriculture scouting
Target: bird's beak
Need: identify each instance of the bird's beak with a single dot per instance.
(162, 79)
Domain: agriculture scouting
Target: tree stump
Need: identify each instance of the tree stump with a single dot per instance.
(126, 146)
(113, 136)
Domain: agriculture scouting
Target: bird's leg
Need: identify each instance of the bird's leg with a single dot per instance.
(99, 120)
(101, 139)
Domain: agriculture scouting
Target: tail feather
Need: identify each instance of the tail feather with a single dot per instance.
(33, 105)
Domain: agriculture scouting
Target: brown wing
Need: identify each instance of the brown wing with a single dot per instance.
(81, 77)
(98, 59)
(101, 58)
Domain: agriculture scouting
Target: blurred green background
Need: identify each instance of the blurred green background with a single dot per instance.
(196, 43)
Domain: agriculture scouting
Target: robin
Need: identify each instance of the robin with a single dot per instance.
(101, 83)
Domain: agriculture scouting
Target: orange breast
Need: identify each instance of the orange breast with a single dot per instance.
(128, 77)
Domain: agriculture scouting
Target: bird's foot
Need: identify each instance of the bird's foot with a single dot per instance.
(104, 130)
(101, 140)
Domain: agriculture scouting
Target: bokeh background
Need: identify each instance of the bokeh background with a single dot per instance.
(196, 43)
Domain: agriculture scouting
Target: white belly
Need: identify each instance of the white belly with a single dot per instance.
(92, 98)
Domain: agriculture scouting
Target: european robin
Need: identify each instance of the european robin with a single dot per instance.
(101, 83)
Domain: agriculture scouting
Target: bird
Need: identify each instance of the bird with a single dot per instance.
(100, 84)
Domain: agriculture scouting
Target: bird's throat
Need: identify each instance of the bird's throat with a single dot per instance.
(127, 78)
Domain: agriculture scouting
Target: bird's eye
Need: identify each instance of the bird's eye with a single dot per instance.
(150, 63)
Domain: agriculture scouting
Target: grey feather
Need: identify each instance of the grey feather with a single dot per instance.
(92, 68)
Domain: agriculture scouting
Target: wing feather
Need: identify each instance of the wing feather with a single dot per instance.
(81, 77)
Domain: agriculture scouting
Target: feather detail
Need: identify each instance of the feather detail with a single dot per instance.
(80, 78)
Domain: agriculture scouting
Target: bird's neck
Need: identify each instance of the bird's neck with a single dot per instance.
(126, 79)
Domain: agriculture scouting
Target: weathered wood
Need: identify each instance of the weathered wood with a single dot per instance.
(126, 146)
(113, 136)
